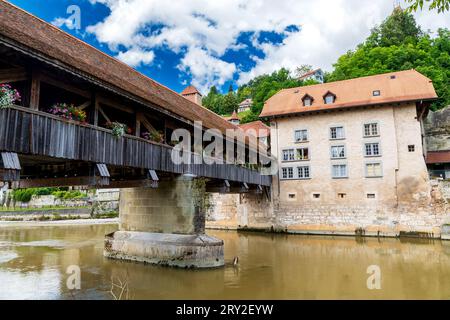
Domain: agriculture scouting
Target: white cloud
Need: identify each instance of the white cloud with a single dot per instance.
(206, 69)
(67, 22)
(202, 31)
(136, 57)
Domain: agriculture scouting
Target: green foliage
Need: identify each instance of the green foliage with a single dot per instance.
(45, 191)
(259, 89)
(249, 117)
(221, 104)
(399, 28)
(439, 5)
(69, 195)
(398, 44)
(25, 195)
(107, 215)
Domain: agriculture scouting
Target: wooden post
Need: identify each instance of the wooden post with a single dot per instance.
(35, 90)
(138, 123)
(96, 107)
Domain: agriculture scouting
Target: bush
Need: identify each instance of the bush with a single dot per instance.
(45, 191)
(23, 195)
(69, 195)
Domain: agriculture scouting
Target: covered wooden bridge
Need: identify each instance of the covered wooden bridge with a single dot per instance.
(118, 127)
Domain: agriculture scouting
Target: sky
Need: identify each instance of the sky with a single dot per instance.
(221, 42)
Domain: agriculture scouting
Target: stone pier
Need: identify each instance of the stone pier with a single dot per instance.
(164, 226)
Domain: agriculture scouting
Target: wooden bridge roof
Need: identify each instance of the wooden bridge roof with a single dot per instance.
(44, 38)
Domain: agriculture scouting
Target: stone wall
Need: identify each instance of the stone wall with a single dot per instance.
(445, 187)
(437, 130)
(223, 211)
(245, 211)
(170, 208)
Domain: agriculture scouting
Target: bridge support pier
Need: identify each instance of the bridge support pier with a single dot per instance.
(164, 226)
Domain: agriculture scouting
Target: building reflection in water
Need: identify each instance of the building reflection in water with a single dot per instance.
(34, 261)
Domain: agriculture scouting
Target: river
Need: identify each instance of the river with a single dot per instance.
(34, 262)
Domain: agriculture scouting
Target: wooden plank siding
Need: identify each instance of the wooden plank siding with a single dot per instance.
(32, 132)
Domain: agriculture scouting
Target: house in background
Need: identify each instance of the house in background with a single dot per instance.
(437, 141)
(245, 105)
(259, 129)
(351, 158)
(234, 119)
(191, 93)
(316, 75)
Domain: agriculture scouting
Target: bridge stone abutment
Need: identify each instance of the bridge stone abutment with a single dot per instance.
(164, 226)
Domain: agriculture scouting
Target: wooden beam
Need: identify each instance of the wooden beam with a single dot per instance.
(115, 104)
(58, 182)
(35, 90)
(147, 123)
(103, 113)
(13, 75)
(65, 86)
(85, 105)
(84, 181)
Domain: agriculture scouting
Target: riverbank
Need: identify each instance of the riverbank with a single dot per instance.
(64, 223)
(52, 214)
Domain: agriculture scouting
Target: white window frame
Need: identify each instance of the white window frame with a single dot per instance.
(339, 177)
(301, 130)
(336, 127)
(370, 123)
(302, 148)
(337, 146)
(328, 96)
(288, 150)
(287, 173)
(303, 167)
(366, 172)
(307, 104)
(371, 149)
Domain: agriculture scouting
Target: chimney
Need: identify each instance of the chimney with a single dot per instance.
(191, 93)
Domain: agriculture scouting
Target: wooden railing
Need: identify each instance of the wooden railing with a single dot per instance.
(31, 132)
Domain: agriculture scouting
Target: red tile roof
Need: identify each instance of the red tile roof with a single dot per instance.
(438, 157)
(51, 42)
(234, 116)
(246, 102)
(394, 87)
(190, 90)
(256, 126)
(307, 74)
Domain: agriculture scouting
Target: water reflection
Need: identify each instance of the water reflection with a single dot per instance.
(33, 264)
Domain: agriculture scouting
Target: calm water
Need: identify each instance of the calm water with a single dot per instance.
(33, 264)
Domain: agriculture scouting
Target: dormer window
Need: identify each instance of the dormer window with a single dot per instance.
(307, 100)
(376, 93)
(329, 98)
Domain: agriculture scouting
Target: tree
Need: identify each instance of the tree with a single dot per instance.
(399, 46)
(229, 103)
(211, 101)
(258, 89)
(439, 5)
(399, 28)
(303, 69)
